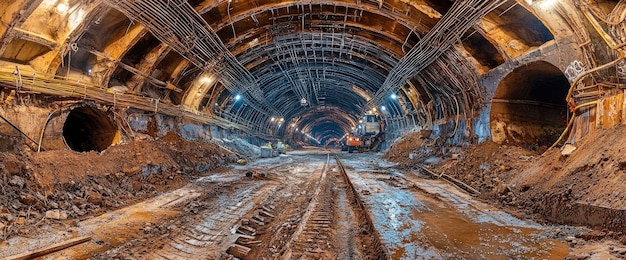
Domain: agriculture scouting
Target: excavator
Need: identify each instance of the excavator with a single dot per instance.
(368, 135)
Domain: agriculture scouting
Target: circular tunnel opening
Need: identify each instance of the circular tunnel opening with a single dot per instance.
(89, 129)
(529, 107)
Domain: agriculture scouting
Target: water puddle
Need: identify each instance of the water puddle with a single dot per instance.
(456, 236)
(430, 220)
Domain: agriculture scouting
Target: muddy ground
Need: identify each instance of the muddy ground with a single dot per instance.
(185, 191)
(57, 185)
(585, 187)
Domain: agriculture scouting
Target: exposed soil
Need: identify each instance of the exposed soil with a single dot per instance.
(71, 189)
(297, 211)
(584, 188)
(60, 185)
(400, 150)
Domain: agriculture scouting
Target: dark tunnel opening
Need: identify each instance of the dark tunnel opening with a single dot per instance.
(529, 107)
(88, 129)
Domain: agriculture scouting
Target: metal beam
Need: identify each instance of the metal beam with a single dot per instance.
(461, 16)
(177, 24)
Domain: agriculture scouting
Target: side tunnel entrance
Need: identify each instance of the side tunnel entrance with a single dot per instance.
(89, 129)
(529, 107)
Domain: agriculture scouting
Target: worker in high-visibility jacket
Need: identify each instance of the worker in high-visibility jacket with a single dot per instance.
(279, 147)
(269, 145)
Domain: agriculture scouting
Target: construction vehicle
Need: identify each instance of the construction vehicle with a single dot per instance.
(368, 135)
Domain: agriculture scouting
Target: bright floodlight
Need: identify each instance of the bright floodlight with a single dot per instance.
(237, 97)
(62, 8)
(545, 4)
(394, 96)
(383, 108)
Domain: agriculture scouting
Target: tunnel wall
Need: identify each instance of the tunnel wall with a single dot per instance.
(53, 135)
(29, 119)
(156, 126)
(607, 113)
(504, 126)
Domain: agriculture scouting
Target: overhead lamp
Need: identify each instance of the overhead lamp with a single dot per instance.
(360, 121)
(374, 109)
(273, 119)
(237, 97)
(383, 108)
(282, 119)
(206, 80)
(545, 4)
(293, 125)
(62, 8)
(393, 96)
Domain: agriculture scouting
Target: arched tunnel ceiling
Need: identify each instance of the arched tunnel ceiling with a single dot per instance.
(250, 61)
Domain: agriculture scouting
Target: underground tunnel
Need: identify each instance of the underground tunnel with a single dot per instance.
(88, 129)
(529, 107)
(271, 129)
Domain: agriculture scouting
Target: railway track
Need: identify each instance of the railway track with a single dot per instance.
(307, 209)
(335, 223)
(311, 235)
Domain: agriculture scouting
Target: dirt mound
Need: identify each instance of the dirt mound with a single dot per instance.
(400, 151)
(58, 185)
(488, 167)
(584, 188)
(195, 156)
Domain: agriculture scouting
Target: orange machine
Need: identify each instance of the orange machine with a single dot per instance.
(368, 134)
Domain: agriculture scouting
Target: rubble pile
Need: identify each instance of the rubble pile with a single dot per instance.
(400, 151)
(489, 168)
(242, 147)
(582, 184)
(585, 187)
(59, 185)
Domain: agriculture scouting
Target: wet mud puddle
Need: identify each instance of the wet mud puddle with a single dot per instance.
(428, 219)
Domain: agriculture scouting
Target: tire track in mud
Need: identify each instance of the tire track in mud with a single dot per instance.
(216, 229)
(338, 225)
(317, 217)
(312, 233)
(375, 248)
